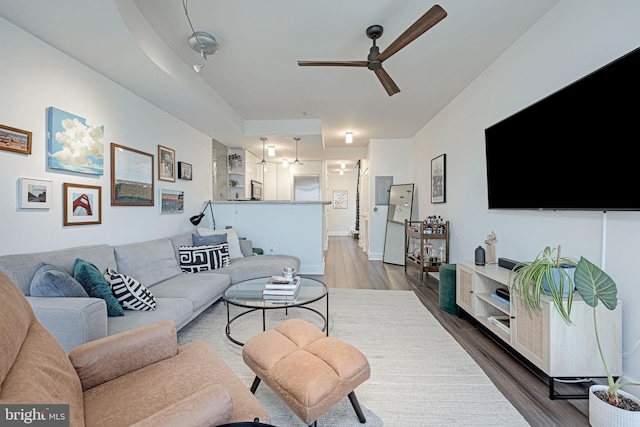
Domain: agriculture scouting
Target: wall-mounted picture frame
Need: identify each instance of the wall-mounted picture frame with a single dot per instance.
(75, 144)
(34, 193)
(340, 199)
(439, 179)
(82, 204)
(13, 139)
(171, 201)
(131, 177)
(185, 171)
(166, 164)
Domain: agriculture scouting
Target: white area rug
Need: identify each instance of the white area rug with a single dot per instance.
(420, 376)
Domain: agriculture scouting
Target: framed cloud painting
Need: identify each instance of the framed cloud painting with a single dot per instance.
(75, 144)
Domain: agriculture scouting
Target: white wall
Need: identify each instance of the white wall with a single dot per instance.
(342, 221)
(572, 40)
(36, 76)
(387, 157)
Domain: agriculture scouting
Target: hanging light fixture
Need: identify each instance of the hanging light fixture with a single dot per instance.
(348, 137)
(200, 41)
(263, 162)
(271, 151)
(297, 162)
(341, 172)
(343, 165)
(285, 163)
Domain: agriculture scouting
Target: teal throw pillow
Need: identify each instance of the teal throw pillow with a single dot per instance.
(50, 281)
(212, 239)
(96, 285)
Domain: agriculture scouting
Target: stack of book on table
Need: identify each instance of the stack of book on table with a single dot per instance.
(281, 289)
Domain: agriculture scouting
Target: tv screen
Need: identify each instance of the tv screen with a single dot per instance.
(574, 149)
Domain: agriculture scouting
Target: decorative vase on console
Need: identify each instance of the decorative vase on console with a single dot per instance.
(491, 241)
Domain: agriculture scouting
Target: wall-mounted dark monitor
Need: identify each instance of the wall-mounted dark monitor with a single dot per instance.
(574, 149)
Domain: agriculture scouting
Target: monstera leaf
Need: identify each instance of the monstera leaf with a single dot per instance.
(595, 285)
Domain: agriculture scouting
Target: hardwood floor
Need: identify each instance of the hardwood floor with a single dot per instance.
(346, 266)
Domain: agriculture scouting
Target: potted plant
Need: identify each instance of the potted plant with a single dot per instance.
(550, 274)
(234, 160)
(608, 405)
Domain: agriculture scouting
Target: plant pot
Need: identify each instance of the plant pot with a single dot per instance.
(601, 413)
(567, 272)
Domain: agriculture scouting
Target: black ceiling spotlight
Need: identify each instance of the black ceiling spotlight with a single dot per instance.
(195, 220)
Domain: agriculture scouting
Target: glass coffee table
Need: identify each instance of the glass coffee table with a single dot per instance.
(248, 294)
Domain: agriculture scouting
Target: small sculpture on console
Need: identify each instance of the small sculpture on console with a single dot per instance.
(491, 241)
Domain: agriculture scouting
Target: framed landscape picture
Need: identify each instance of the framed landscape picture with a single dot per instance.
(131, 177)
(34, 194)
(166, 164)
(172, 201)
(75, 144)
(12, 139)
(82, 204)
(438, 179)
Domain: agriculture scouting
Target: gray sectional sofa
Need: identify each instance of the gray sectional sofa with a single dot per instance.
(180, 296)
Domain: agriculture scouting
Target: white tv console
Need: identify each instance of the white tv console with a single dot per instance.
(543, 338)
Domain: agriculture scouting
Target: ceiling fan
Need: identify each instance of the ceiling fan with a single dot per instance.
(375, 59)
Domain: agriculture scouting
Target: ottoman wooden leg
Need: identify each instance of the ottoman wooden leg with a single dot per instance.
(356, 407)
(256, 383)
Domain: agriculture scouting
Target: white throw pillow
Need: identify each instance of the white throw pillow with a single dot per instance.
(232, 239)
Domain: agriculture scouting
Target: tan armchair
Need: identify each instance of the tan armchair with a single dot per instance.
(140, 377)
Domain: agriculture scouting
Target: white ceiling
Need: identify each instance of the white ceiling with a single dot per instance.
(253, 86)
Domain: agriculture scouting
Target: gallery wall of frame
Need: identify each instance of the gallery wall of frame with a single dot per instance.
(75, 146)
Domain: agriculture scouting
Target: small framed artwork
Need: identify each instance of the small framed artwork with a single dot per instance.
(12, 139)
(172, 201)
(131, 177)
(82, 204)
(166, 164)
(185, 171)
(34, 194)
(439, 179)
(340, 200)
(75, 144)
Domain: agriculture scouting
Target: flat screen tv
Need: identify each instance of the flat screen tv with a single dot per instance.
(574, 149)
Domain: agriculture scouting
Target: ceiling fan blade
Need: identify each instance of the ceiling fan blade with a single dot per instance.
(333, 63)
(426, 21)
(387, 81)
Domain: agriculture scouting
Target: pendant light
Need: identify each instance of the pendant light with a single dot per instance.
(297, 162)
(263, 162)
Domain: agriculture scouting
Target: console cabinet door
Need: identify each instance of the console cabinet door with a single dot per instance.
(464, 289)
(529, 333)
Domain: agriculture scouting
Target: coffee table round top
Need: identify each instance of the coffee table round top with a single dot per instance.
(249, 293)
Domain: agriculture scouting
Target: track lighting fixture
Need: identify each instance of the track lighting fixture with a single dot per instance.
(200, 41)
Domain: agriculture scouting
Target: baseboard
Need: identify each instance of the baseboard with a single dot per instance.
(338, 233)
(312, 270)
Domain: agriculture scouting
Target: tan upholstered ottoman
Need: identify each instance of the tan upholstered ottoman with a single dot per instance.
(310, 371)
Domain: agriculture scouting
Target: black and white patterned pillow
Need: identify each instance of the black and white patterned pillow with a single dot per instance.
(206, 257)
(129, 292)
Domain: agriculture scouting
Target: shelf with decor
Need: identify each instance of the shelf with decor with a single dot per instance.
(426, 245)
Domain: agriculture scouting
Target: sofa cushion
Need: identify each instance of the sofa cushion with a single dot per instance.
(96, 285)
(213, 239)
(22, 267)
(232, 238)
(50, 281)
(130, 293)
(150, 262)
(201, 289)
(201, 258)
(178, 310)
